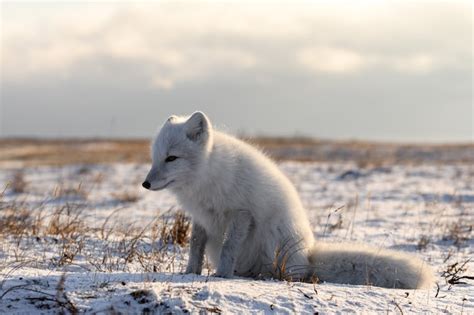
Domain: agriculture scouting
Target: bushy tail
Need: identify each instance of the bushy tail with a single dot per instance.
(362, 265)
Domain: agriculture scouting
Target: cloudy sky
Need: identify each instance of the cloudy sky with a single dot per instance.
(383, 70)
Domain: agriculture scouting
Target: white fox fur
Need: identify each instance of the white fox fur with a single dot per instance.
(249, 219)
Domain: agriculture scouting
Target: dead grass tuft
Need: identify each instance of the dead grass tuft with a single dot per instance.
(423, 242)
(283, 254)
(454, 273)
(459, 232)
(71, 192)
(127, 196)
(15, 220)
(67, 221)
(178, 232)
(18, 184)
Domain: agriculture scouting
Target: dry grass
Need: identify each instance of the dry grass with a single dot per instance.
(423, 242)
(14, 220)
(178, 232)
(365, 154)
(459, 232)
(61, 152)
(18, 184)
(67, 191)
(127, 196)
(455, 272)
(64, 233)
(282, 255)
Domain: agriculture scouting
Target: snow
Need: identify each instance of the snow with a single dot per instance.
(424, 209)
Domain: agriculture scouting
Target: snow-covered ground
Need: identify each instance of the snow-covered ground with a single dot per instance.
(113, 258)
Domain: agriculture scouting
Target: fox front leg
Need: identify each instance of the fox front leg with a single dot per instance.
(196, 254)
(236, 232)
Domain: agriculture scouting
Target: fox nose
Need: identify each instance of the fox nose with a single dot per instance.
(146, 184)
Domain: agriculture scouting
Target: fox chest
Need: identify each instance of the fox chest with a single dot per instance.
(213, 220)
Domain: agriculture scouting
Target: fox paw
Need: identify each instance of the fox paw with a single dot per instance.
(192, 270)
(221, 274)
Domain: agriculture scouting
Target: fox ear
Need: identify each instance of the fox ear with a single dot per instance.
(197, 127)
(172, 118)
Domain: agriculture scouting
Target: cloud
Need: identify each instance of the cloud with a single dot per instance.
(182, 41)
(417, 63)
(167, 51)
(344, 61)
(331, 60)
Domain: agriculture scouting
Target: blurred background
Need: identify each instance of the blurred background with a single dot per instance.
(369, 70)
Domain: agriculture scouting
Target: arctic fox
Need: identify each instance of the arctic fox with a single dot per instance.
(249, 219)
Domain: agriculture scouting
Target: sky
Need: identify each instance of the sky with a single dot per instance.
(366, 70)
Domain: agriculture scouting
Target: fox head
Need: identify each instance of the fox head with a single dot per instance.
(178, 150)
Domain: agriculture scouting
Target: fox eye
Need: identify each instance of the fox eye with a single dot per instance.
(171, 158)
